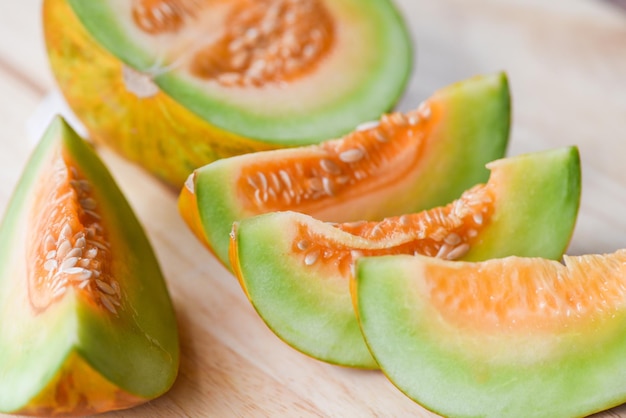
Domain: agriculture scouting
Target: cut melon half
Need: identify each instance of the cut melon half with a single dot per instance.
(401, 164)
(282, 71)
(86, 322)
(513, 337)
(295, 269)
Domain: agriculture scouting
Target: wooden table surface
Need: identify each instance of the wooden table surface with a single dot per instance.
(566, 61)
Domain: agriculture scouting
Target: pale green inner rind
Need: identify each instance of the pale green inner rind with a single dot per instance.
(310, 312)
(32, 348)
(565, 373)
(474, 131)
(368, 93)
(32, 357)
(138, 351)
(217, 205)
(536, 206)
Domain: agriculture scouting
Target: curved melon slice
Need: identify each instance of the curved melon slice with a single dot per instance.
(295, 270)
(406, 163)
(86, 322)
(514, 337)
(241, 67)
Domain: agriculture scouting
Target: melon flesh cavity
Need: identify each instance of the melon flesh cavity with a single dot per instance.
(402, 164)
(515, 337)
(296, 270)
(86, 322)
(245, 65)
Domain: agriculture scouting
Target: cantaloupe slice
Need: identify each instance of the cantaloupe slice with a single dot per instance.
(402, 164)
(295, 269)
(86, 321)
(513, 337)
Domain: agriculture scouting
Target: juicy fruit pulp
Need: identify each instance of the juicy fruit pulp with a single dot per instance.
(515, 337)
(69, 245)
(295, 270)
(86, 321)
(225, 77)
(402, 164)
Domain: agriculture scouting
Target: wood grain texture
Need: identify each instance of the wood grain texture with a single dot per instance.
(566, 62)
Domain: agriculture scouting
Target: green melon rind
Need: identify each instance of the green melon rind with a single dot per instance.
(310, 313)
(314, 313)
(146, 339)
(137, 351)
(375, 93)
(474, 131)
(572, 372)
(534, 217)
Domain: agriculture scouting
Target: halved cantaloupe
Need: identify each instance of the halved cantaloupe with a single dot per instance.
(402, 164)
(514, 337)
(176, 84)
(86, 322)
(295, 269)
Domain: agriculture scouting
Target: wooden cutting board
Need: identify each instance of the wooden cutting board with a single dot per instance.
(566, 62)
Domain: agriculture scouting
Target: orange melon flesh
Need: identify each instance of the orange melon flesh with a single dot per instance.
(295, 269)
(447, 232)
(236, 60)
(329, 175)
(71, 247)
(542, 297)
(510, 337)
(86, 323)
(401, 164)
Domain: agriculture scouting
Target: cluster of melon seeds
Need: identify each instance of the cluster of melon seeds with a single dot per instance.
(264, 41)
(337, 167)
(446, 232)
(71, 249)
(159, 16)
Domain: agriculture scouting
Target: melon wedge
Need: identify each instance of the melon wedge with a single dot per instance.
(296, 270)
(176, 84)
(86, 322)
(513, 337)
(402, 164)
